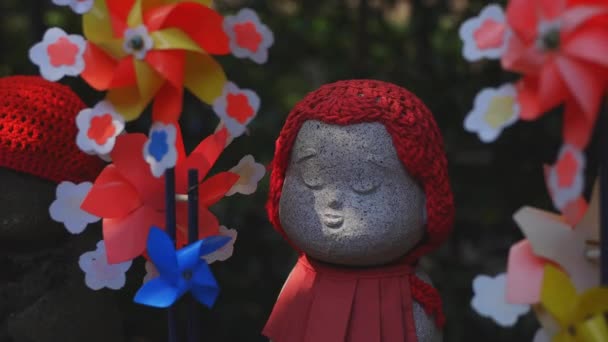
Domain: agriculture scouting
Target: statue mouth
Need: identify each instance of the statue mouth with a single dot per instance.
(333, 220)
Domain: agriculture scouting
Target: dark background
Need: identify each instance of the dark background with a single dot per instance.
(413, 43)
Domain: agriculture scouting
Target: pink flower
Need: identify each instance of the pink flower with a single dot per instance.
(59, 54)
(484, 36)
(236, 108)
(98, 128)
(249, 38)
(565, 179)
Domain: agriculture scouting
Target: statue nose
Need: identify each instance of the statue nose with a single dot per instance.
(335, 199)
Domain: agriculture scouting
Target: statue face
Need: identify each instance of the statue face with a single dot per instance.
(347, 198)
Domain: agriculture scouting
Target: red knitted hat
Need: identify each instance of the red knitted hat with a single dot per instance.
(415, 135)
(38, 130)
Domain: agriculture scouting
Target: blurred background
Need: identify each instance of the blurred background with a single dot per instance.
(413, 43)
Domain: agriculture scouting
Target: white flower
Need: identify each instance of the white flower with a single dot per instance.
(78, 6)
(485, 35)
(490, 300)
(98, 128)
(151, 272)
(566, 177)
(226, 251)
(100, 274)
(159, 150)
(249, 37)
(66, 206)
(59, 54)
(137, 41)
(236, 108)
(494, 110)
(250, 174)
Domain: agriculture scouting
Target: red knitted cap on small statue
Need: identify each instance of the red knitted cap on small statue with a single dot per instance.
(412, 127)
(38, 130)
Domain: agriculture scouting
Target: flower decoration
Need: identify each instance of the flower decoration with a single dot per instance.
(559, 48)
(489, 300)
(59, 54)
(250, 173)
(151, 272)
(159, 150)
(98, 128)
(226, 251)
(130, 199)
(565, 179)
(100, 274)
(553, 239)
(236, 108)
(137, 42)
(144, 50)
(66, 206)
(580, 317)
(249, 37)
(179, 271)
(485, 35)
(78, 6)
(494, 110)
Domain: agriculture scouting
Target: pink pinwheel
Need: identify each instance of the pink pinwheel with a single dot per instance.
(131, 200)
(560, 46)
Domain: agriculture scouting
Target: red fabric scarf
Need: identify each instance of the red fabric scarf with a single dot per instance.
(325, 303)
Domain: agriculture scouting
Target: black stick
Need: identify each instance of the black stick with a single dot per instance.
(193, 332)
(603, 132)
(170, 229)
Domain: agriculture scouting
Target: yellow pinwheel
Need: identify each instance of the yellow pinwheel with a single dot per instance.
(144, 50)
(581, 318)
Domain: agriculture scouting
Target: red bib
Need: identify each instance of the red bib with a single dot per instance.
(324, 303)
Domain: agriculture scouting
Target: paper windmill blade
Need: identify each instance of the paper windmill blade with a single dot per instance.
(559, 47)
(140, 50)
(131, 200)
(568, 246)
(581, 318)
(179, 271)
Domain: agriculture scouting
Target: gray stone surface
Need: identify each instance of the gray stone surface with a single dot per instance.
(348, 200)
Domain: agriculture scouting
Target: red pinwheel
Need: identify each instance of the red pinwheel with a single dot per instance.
(561, 48)
(131, 200)
(140, 50)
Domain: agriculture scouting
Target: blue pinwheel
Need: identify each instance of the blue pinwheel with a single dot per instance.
(180, 271)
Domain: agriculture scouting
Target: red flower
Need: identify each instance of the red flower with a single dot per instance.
(131, 200)
(561, 49)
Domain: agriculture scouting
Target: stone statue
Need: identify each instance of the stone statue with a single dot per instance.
(43, 297)
(359, 187)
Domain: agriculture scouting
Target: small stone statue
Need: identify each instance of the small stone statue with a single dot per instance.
(43, 297)
(359, 187)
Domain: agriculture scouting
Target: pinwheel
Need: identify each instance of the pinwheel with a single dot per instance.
(560, 48)
(140, 50)
(581, 318)
(552, 240)
(131, 200)
(179, 271)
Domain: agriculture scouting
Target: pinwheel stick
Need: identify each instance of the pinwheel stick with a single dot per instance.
(170, 229)
(192, 238)
(603, 133)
